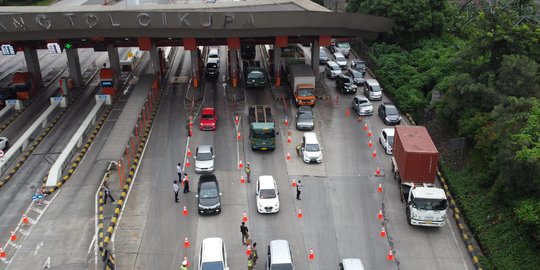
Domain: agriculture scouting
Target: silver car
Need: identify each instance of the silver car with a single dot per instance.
(362, 105)
(204, 159)
(304, 118)
(332, 69)
(340, 60)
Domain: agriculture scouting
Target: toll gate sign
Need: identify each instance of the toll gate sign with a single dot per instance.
(8, 50)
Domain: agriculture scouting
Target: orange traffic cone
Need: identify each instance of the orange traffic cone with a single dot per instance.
(248, 250)
(2, 253)
(380, 215)
(240, 165)
(289, 140)
(188, 152)
(379, 188)
(238, 137)
(236, 120)
(186, 262)
(365, 127)
(374, 154)
(293, 184)
(369, 133)
(242, 180)
(186, 243)
(185, 211)
(370, 144)
(347, 112)
(288, 156)
(383, 232)
(13, 237)
(311, 254)
(188, 164)
(390, 256)
(300, 215)
(24, 219)
(286, 122)
(244, 217)
(378, 171)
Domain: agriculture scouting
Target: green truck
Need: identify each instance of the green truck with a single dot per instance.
(254, 74)
(262, 129)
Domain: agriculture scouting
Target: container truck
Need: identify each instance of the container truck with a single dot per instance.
(302, 84)
(108, 81)
(262, 131)
(25, 85)
(7, 91)
(414, 165)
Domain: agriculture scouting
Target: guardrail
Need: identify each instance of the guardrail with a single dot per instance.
(11, 104)
(76, 141)
(24, 140)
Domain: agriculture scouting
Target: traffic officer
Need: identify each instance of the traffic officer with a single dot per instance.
(248, 172)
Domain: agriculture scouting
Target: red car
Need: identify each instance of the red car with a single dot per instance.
(208, 119)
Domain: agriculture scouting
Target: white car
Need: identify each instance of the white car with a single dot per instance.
(267, 195)
(332, 69)
(4, 143)
(340, 60)
(204, 159)
(387, 139)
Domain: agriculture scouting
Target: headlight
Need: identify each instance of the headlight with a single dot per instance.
(386, 118)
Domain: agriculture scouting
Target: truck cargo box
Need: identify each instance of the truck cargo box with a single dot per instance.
(415, 154)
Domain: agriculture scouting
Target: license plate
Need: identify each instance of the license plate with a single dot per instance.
(428, 222)
(264, 148)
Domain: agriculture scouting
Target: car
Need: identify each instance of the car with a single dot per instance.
(213, 52)
(323, 57)
(387, 140)
(340, 60)
(372, 89)
(332, 69)
(212, 67)
(213, 254)
(351, 264)
(208, 119)
(356, 75)
(267, 195)
(4, 143)
(389, 114)
(362, 105)
(304, 118)
(204, 159)
(311, 149)
(208, 195)
(345, 84)
(343, 48)
(359, 65)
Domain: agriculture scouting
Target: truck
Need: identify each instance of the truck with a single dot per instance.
(262, 130)
(254, 74)
(108, 81)
(7, 91)
(414, 164)
(25, 85)
(302, 84)
(208, 119)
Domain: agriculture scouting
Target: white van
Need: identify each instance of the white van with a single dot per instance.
(213, 254)
(311, 149)
(279, 256)
(267, 195)
(372, 89)
(351, 264)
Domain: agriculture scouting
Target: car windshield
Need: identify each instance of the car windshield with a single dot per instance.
(211, 65)
(202, 156)
(255, 75)
(430, 204)
(267, 194)
(305, 115)
(334, 67)
(281, 266)
(375, 88)
(208, 190)
(391, 110)
(263, 134)
(340, 58)
(355, 73)
(359, 65)
(344, 45)
(208, 116)
(322, 53)
(312, 147)
(305, 92)
(212, 266)
(348, 80)
(390, 140)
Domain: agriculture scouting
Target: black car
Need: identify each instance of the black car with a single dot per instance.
(212, 67)
(356, 75)
(208, 195)
(389, 114)
(345, 84)
(359, 65)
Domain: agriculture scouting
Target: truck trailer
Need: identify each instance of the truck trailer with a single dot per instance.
(262, 130)
(414, 163)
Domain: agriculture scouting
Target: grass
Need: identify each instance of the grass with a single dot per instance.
(505, 244)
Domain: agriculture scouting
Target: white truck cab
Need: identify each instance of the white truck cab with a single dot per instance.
(426, 205)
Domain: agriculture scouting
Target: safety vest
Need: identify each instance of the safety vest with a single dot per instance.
(183, 267)
(250, 263)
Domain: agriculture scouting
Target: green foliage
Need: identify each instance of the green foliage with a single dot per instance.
(528, 212)
(518, 76)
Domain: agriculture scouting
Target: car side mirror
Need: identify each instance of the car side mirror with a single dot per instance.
(278, 193)
(257, 193)
(213, 156)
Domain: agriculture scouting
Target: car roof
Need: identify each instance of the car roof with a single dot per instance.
(207, 178)
(305, 109)
(213, 51)
(332, 63)
(280, 251)
(212, 60)
(362, 97)
(204, 148)
(372, 82)
(338, 54)
(352, 264)
(389, 131)
(429, 193)
(212, 250)
(266, 182)
(388, 104)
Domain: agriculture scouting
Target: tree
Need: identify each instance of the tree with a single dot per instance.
(518, 76)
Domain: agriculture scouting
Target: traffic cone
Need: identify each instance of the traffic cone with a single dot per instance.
(188, 164)
(240, 165)
(288, 156)
(188, 152)
(365, 127)
(236, 120)
(379, 188)
(347, 112)
(2, 253)
(286, 122)
(378, 171)
(383, 232)
(293, 184)
(369, 133)
(185, 211)
(374, 154)
(311, 254)
(242, 180)
(244, 217)
(186, 243)
(248, 250)
(380, 215)
(390, 256)
(13, 237)
(24, 219)
(370, 144)
(238, 137)
(187, 262)
(289, 140)
(300, 215)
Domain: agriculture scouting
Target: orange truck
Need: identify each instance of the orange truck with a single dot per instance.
(302, 84)
(108, 81)
(25, 85)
